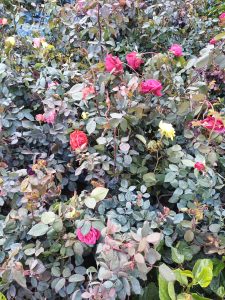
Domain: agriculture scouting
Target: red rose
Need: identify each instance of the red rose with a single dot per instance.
(151, 86)
(133, 60)
(113, 64)
(199, 166)
(213, 124)
(78, 139)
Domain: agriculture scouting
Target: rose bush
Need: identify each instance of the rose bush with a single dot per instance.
(112, 150)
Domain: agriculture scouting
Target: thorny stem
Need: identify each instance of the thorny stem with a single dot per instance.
(100, 29)
(115, 150)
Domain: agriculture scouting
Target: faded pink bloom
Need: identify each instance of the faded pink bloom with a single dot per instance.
(151, 86)
(52, 84)
(50, 117)
(176, 50)
(99, 292)
(3, 21)
(222, 17)
(133, 60)
(213, 41)
(38, 41)
(111, 227)
(90, 238)
(40, 118)
(113, 64)
(88, 91)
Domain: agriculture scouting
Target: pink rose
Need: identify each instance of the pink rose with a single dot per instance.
(213, 41)
(50, 117)
(90, 238)
(222, 17)
(52, 84)
(40, 118)
(3, 21)
(199, 166)
(133, 60)
(113, 64)
(176, 50)
(88, 91)
(151, 86)
(38, 41)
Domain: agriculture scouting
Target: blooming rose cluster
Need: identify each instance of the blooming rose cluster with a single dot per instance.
(48, 117)
(90, 238)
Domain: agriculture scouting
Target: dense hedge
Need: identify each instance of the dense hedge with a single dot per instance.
(112, 153)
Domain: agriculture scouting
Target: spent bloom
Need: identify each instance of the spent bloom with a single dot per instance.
(50, 117)
(176, 50)
(90, 238)
(78, 139)
(88, 91)
(214, 124)
(113, 64)
(133, 60)
(167, 130)
(151, 86)
(199, 166)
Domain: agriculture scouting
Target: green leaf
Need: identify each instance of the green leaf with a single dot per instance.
(149, 179)
(90, 202)
(99, 193)
(76, 278)
(48, 217)
(163, 289)
(38, 229)
(91, 126)
(176, 256)
(220, 36)
(181, 278)
(188, 163)
(141, 138)
(60, 284)
(167, 273)
(218, 266)
(170, 177)
(203, 272)
(198, 297)
(19, 278)
(58, 225)
(2, 297)
(171, 291)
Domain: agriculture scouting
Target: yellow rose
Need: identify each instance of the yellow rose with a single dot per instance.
(10, 42)
(167, 130)
(85, 115)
